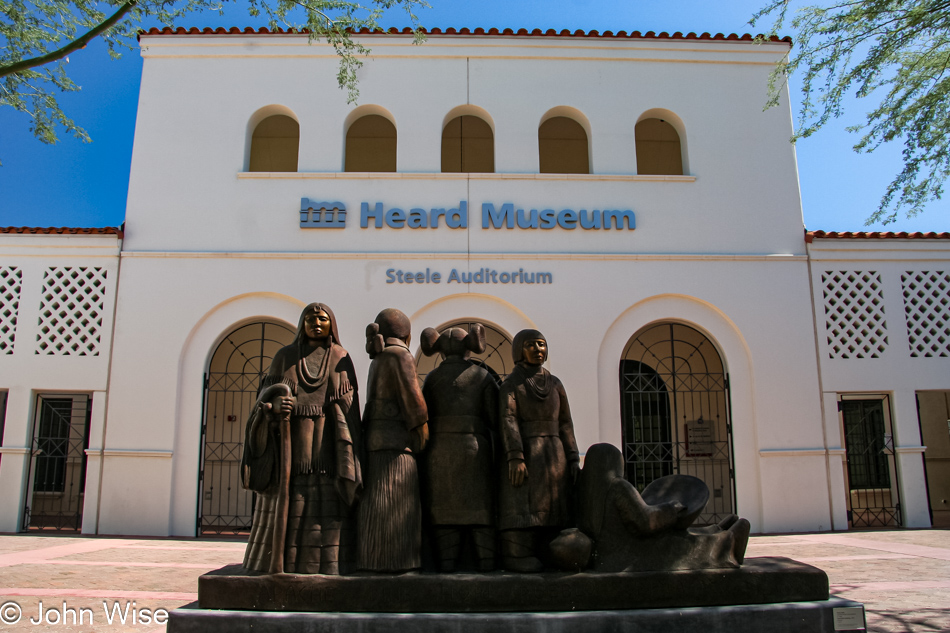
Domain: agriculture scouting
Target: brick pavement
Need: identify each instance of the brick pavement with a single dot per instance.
(902, 576)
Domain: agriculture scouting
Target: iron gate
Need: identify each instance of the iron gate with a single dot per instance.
(872, 476)
(675, 413)
(57, 475)
(230, 391)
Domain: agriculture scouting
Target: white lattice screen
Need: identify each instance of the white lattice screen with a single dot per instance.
(11, 278)
(71, 312)
(854, 314)
(927, 308)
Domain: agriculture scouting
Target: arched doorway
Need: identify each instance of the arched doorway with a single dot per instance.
(675, 412)
(496, 358)
(230, 390)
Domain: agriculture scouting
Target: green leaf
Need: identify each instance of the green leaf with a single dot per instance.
(895, 53)
(37, 36)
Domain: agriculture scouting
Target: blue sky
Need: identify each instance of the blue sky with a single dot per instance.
(86, 184)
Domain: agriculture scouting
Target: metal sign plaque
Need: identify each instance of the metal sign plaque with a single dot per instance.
(699, 438)
(849, 619)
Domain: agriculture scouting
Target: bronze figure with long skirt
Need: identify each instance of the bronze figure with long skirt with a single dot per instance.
(301, 455)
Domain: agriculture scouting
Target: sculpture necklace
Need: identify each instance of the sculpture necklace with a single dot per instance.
(303, 367)
(539, 389)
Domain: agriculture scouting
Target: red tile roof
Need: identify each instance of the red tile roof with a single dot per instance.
(873, 235)
(63, 230)
(635, 35)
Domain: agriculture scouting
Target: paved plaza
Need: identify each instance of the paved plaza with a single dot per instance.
(902, 576)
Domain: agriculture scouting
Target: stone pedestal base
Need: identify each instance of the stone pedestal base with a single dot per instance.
(759, 581)
(777, 595)
(823, 616)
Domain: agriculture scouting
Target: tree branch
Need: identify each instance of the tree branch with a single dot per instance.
(76, 44)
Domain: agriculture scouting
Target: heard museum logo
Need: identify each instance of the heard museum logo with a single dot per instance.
(322, 215)
(332, 215)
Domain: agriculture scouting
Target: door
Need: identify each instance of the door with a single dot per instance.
(873, 498)
(933, 409)
(231, 385)
(57, 476)
(675, 413)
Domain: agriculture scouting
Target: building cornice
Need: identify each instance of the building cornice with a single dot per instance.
(62, 230)
(492, 32)
(811, 236)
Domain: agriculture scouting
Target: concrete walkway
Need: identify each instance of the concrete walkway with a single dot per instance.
(902, 576)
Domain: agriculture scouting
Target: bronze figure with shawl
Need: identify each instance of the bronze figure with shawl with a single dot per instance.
(301, 455)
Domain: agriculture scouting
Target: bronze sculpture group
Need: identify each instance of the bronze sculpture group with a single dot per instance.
(476, 464)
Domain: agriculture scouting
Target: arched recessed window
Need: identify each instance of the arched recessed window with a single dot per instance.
(562, 147)
(468, 145)
(371, 144)
(274, 144)
(658, 148)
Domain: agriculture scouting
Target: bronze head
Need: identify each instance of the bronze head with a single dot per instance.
(311, 313)
(529, 348)
(389, 324)
(454, 341)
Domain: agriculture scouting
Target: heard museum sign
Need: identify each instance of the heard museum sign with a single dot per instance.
(332, 215)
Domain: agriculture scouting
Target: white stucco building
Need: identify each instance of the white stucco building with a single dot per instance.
(623, 193)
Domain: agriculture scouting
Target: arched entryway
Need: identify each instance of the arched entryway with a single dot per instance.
(675, 412)
(496, 358)
(230, 390)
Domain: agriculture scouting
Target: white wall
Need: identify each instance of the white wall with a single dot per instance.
(891, 370)
(26, 370)
(590, 312)
(209, 246)
(187, 190)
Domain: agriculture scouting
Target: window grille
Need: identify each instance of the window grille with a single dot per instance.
(71, 311)
(854, 314)
(11, 280)
(927, 308)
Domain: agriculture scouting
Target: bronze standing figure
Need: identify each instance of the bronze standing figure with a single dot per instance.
(541, 455)
(301, 455)
(458, 471)
(390, 515)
